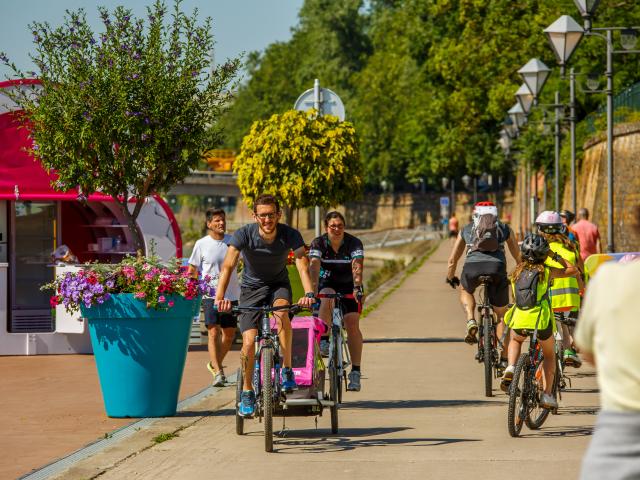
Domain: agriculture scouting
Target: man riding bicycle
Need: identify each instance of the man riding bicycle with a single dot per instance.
(337, 262)
(483, 240)
(265, 246)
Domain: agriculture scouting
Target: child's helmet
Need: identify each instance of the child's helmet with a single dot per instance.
(549, 222)
(534, 248)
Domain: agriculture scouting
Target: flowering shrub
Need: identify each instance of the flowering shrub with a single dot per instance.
(145, 277)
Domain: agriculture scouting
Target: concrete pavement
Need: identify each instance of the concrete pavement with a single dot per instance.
(421, 414)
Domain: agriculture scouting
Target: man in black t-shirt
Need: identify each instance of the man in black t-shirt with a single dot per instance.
(265, 246)
(337, 260)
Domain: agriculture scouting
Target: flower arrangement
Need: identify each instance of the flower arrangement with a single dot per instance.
(146, 278)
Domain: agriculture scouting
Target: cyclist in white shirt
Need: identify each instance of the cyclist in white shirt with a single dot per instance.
(207, 257)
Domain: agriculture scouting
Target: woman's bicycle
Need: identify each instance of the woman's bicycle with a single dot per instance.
(526, 389)
(488, 342)
(339, 358)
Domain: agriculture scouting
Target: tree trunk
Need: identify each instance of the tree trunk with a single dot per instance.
(136, 235)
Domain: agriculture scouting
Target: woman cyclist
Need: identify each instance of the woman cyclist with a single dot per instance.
(336, 267)
(564, 292)
(525, 319)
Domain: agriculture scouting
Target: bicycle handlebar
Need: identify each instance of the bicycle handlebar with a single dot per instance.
(266, 309)
(336, 295)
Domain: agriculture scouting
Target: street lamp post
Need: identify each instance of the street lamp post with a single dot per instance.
(563, 32)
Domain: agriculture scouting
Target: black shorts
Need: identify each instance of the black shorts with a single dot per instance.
(348, 305)
(499, 286)
(259, 297)
(214, 317)
(542, 334)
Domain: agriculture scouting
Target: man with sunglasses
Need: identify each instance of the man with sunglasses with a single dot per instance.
(337, 263)
(265, 247)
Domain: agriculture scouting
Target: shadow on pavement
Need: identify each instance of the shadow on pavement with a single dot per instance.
(561, 432)
(319, 441)
(415, 340)
(580, 410)
(223, 412)
(386, 404)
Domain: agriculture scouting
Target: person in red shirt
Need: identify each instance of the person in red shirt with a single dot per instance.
(453, 226)
(588, 235)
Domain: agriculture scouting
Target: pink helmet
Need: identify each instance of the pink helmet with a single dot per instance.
(549, 222)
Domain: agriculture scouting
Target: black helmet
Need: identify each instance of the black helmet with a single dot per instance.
(568, 215)
(534, 248)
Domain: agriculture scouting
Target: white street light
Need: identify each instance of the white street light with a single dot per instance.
(534, 74)
(517, 115)
(587, 9)
(629, 38)
(564, 35)
(524, 98)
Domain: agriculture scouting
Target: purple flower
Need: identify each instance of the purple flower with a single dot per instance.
(135, 76)
(3, 58)
(110, 283)
(92, 41)
(144, 136)
(146, 120)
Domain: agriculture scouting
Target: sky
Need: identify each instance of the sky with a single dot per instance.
(238, 25)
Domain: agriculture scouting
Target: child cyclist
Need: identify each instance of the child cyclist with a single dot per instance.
(564, 292)
(532, 311)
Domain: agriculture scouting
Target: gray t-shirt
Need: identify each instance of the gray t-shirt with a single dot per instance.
(265, 263)
(478, 256)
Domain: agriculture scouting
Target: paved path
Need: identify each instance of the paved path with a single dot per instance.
(421, 413)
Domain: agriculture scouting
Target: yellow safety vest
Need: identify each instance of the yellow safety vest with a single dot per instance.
(541, 313)
(564, 292)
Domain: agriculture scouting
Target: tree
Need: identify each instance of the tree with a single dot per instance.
(127, 112)
(302, 159)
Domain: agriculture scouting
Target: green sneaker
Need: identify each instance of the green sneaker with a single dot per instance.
(571, 358)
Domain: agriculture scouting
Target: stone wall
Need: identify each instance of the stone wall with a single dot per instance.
(592, 188)
(592, 185)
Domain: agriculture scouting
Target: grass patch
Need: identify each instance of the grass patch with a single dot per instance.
(389, 269)
(163, 437)
(410, 270)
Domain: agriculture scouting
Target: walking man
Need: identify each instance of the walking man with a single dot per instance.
(207, 257)
(265, 247)
(588, 235)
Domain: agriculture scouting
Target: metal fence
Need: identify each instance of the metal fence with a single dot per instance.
(623, 103)
(399, 236)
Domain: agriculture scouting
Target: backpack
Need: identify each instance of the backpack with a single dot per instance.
(485, 234)
(526, 289)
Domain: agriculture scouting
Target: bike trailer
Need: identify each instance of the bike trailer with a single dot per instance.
(307, 364)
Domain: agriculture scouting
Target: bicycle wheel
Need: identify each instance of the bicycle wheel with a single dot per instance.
(518, 396)
(334, 379)
(239, 419)
(537, 415)
(266, 364)
(488, 357)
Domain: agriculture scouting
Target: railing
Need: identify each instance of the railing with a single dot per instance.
(623, 103)
(394, 237)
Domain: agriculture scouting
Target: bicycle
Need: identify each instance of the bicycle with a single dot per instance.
(488, 341)
(525, 391)
(338, 352)
(266, 373)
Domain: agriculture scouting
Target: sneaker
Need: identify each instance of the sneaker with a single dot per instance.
(472, 329)
(218, 377)
(507, 378)
(547, 401)
(354, 381)
(288, 380)
(247, 405)
(571, 358)
(324, 347)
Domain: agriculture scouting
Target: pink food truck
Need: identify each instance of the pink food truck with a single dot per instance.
(35, 221)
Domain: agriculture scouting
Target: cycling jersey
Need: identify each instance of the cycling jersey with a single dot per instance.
(335, 270)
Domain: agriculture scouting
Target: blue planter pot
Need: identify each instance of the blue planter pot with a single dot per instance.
(140, 353)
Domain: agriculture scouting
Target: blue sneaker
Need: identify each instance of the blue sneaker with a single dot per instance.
(288, 380)
(247, 405)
